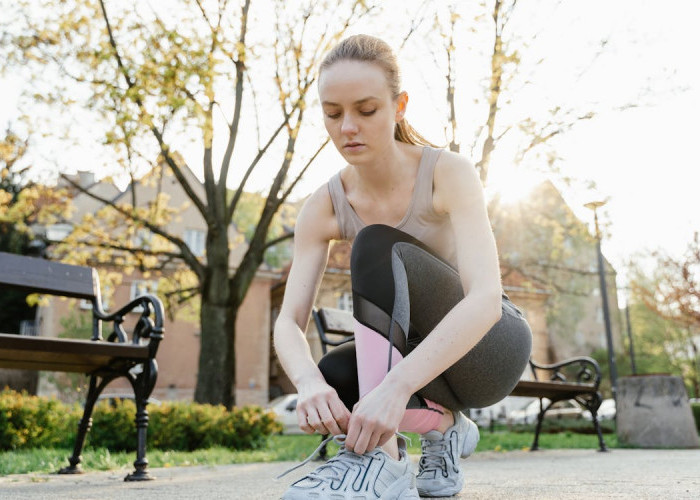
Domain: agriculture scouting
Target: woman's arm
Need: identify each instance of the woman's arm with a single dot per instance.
(457, 192)
(318, 408)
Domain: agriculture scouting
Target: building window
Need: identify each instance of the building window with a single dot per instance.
(142, 287)
(345, 301)
(195, 239)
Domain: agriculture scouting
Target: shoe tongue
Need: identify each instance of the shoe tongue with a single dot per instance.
(433, 435)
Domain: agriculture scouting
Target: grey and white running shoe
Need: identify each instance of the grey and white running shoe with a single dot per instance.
(439, 471)
(349, 476)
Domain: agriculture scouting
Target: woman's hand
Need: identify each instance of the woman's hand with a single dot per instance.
(376, 417)
(319, 409)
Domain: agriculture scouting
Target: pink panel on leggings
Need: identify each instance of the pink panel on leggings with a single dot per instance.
(372, 351)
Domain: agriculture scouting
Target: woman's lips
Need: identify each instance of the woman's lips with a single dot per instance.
(353, 146)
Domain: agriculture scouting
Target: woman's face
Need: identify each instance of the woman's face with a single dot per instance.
(358, 109)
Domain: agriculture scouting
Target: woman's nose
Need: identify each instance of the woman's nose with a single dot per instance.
(348, 126)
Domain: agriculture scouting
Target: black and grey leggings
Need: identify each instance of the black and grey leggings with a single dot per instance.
(401, 291)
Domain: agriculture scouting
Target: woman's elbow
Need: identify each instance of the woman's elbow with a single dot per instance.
(494, 306)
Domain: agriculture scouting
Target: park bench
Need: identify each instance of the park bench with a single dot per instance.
(102, 359)
(582, 384)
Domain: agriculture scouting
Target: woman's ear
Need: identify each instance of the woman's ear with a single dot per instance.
(401, 103)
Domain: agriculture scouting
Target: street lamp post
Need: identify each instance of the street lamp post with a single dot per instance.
(629, 333)
(595, 205)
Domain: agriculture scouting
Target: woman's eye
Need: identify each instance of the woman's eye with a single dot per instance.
(333, 116)
(368, 113)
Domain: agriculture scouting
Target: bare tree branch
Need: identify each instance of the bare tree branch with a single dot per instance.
(235, 122)
(284, 196)
(239, 192)
(275, 241)
(165, 150)
(186, 254)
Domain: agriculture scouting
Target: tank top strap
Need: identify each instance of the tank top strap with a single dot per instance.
(424, 181)
(349, 223)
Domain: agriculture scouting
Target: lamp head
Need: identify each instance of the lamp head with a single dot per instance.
(593, 205)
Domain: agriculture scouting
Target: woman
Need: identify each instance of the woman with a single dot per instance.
(429, 340)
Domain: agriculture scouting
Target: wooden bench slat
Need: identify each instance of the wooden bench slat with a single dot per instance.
(36, 353)
(43, 276)
(51, 367)
(547, 389)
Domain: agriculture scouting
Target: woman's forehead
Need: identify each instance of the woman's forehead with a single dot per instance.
(352, 81)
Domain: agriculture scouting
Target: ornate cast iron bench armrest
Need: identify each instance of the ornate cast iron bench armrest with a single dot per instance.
(588, 370)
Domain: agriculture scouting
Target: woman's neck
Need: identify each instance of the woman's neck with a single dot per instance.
(386, 172)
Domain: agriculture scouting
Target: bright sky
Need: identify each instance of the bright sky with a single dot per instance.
(643, 159)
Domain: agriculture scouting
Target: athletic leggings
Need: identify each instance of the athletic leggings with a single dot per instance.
(401, 290)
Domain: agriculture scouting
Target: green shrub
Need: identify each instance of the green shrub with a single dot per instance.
(696, 414)
(31, 422)
(191, 426)
(113, 425)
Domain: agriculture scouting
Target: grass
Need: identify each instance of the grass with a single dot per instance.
(280, 448)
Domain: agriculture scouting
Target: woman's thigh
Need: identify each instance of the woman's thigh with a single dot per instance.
(399, 282)
(426, 290)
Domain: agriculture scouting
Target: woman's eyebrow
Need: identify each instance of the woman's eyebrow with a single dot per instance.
(359, 101)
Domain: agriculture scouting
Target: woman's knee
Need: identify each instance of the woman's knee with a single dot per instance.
(339, 369)
(372, 241)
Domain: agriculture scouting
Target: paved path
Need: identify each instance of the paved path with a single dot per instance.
(546, 474)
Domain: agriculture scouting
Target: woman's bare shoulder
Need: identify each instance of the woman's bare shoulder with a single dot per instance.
(317, 218)
(454, 176)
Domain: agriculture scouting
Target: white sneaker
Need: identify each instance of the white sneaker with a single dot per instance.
(373, 475)
(439, 471)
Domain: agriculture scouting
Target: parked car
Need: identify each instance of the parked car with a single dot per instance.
(606, 411)
(285, 407)
(484, 417)
(528, 414)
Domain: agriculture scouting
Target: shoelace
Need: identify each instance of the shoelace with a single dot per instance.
(433, 455)
(332, 463)
(339, 439)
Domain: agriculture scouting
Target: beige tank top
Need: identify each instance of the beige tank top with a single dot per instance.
(420, 221)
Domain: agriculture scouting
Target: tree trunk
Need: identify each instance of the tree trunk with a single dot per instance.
(217, 320)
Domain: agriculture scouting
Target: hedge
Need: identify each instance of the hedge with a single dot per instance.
(34, 422)
(696, 413)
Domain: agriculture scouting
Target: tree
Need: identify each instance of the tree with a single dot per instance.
(153, 77)
(672, 293)
(22, 204)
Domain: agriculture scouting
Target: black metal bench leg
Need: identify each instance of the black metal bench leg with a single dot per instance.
(96, 386)
(540, 417)
(143, 385)
(323, 452)
(601, 442)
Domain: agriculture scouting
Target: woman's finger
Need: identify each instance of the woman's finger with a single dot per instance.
(384, 438)
(303, 419)
(340, 414)
(314, 421)
(374, 440)
(352, 434)
(328, 421)
(363, 440)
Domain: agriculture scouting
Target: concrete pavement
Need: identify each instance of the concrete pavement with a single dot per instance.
(545, 474)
